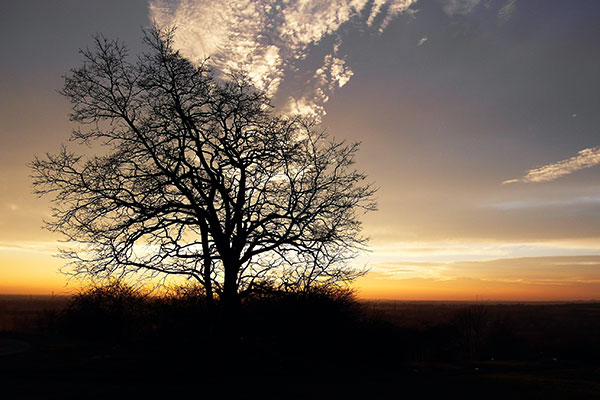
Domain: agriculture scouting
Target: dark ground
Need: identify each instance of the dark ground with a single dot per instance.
(379, 350)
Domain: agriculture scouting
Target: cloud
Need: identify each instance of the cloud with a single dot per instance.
(269, 39)
(558, 270)
(507, 10)
(30, 247)
(459, 7)
(586, 158)
(334, 73)
(525, 204)
(438, 254)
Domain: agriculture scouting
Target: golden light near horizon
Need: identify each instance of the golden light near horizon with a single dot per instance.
(27, 270)
(478, 122)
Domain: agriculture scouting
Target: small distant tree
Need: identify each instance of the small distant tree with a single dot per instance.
(197, 178)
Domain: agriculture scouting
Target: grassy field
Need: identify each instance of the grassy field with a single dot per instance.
(383, 349)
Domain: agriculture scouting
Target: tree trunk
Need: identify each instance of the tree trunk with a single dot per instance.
(231, 297)
(231, 303)
(207, 263)
(208, 283)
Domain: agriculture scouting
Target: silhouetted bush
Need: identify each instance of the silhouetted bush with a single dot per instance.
(113, 311)
(299, 314)
(307, 320)
(182, 310)
(303, 330)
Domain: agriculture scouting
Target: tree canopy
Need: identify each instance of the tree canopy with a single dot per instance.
(193, 175)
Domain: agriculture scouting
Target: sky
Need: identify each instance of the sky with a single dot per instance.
(478, 121)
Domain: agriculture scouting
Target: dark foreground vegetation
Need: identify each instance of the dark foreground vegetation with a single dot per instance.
(115, 340)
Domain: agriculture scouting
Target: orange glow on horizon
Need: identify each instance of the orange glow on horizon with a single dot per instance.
(25, 272)
(375, 287)
(38, 273)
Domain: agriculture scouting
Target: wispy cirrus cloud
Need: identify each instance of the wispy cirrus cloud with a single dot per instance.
(459, 7)
(30, 247)
(527, 204)
(585, 158)
(270, 38)
(557, 270)
(507, 10)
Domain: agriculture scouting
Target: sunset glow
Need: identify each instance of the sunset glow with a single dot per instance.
(478, 122)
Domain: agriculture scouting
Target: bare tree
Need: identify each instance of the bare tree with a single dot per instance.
(198, 178)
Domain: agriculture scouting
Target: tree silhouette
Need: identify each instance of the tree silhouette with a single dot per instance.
(197, 178)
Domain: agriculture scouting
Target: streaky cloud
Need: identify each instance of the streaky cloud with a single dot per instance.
(507, 10)
(29, 246)
(459, 7)
(269, 38)
(585, 158)
(545, 270)
(527, 204)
